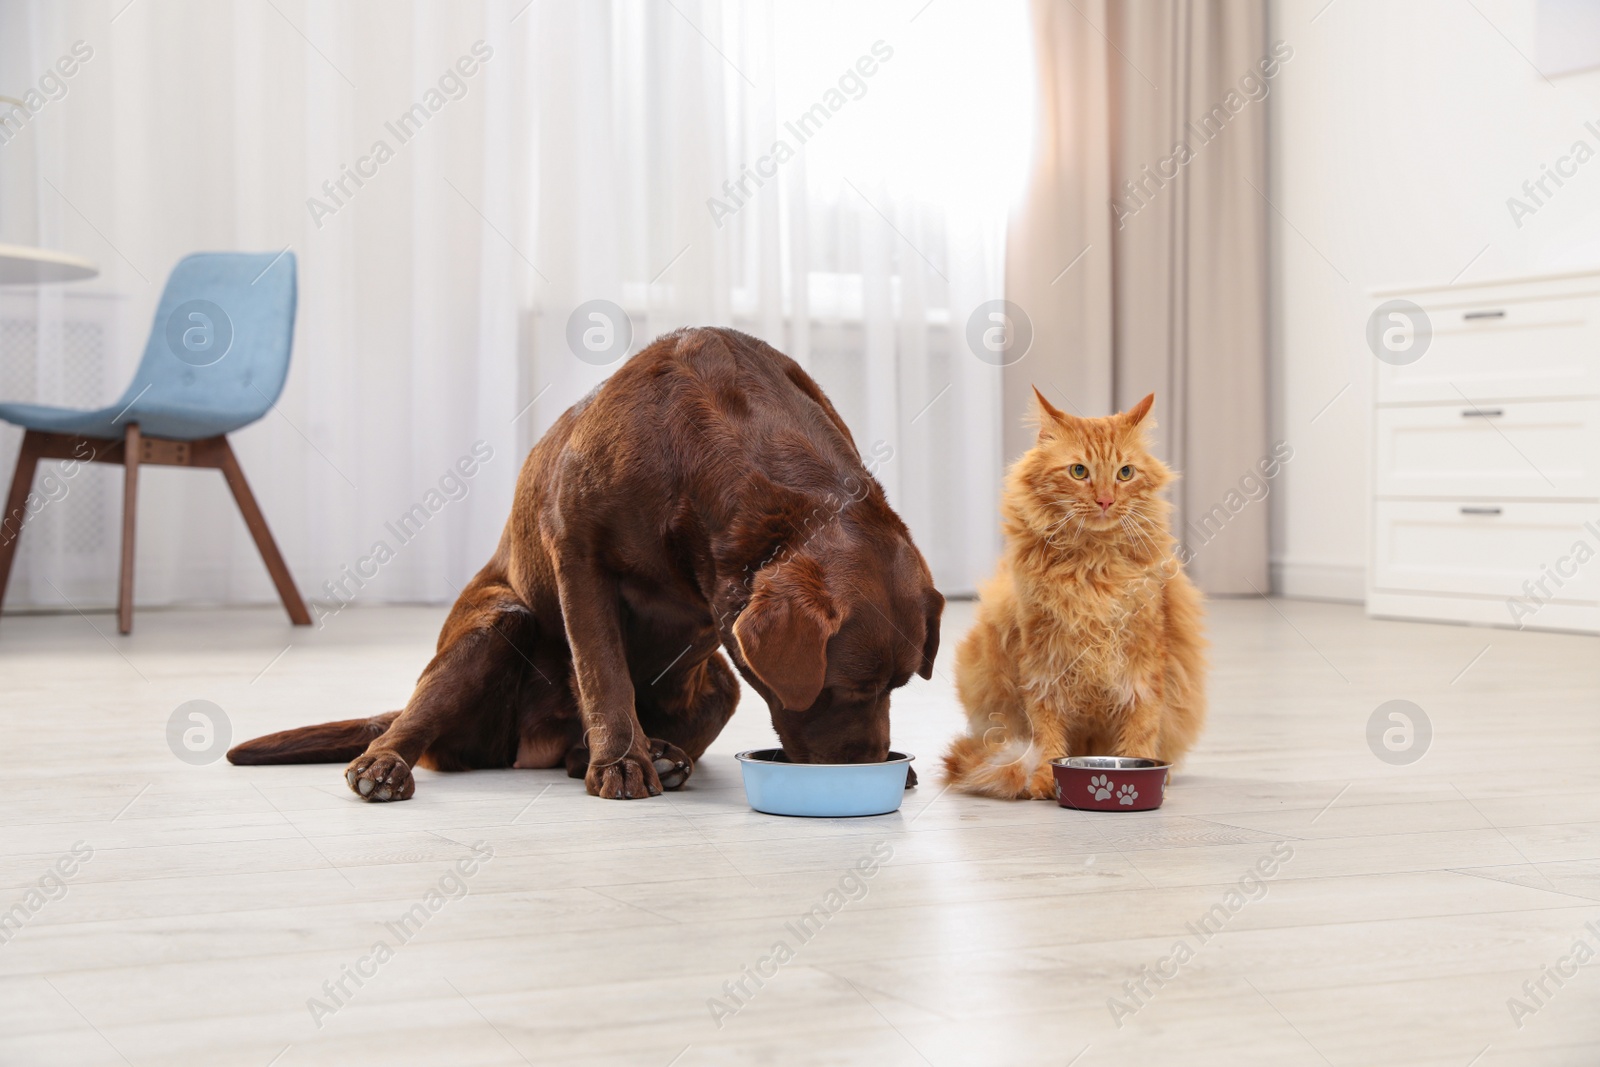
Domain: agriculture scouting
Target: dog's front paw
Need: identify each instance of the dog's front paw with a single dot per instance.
(632, 777)
(380, 776)
(673, 765)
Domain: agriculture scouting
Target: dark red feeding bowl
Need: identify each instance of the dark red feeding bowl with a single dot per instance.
(1110, 783)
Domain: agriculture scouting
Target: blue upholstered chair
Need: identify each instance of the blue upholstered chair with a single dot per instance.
(216, 360)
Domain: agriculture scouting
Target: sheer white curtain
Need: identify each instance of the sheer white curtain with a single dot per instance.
(832, 177)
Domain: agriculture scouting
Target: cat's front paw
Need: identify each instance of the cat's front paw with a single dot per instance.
(1042, 784)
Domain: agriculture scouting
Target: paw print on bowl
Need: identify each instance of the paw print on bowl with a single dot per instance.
(1115, 783)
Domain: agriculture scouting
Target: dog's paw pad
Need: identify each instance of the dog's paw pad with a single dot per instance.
(671, 775)
(673, 765)
(380, 777)
(1127, 794)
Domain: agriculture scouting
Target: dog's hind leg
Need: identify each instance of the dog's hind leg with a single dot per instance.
(464, 712)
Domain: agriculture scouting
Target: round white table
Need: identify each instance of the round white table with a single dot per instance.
(21, 265)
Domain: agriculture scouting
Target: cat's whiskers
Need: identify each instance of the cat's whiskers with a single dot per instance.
(1136, 532)
(1144, 525)
(1053, 527)
(1132, 531)
(1073, 512)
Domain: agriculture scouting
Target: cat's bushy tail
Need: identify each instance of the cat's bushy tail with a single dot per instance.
(996, 757)
(1006, 770)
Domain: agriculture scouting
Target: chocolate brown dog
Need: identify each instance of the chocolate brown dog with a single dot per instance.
(707, 494)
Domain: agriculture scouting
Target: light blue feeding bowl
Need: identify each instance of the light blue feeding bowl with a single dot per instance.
(822, 790)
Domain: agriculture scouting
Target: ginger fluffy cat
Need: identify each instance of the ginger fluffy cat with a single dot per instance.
(1088, 638)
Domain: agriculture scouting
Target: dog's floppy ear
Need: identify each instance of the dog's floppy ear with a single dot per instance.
(783, 632)
(930, 636)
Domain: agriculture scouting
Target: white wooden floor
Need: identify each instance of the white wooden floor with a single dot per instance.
(218, 901)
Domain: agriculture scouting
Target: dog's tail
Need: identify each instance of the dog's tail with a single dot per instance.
(329, 742)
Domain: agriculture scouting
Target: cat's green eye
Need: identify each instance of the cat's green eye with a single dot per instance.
(1079, 471)
(1125, 474)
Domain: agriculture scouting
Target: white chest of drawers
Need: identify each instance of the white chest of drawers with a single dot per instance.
(1486, 459)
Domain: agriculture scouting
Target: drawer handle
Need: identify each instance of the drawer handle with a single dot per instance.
(1468, 510)
(1483, 413)
(1484, 315)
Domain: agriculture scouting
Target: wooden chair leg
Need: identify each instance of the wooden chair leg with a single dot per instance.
(257, 523)
(131, 450)
(16, 504)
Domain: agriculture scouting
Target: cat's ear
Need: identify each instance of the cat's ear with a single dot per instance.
(1050, 416)
(1136, 414)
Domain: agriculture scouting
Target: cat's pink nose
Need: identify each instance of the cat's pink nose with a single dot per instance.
(1105, 505)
